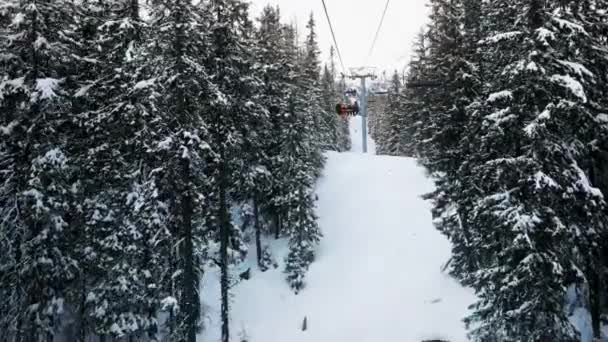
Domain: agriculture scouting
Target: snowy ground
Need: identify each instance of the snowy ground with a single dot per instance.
(377, 276)
(357, 139)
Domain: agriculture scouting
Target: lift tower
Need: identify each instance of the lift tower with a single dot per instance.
(363, 77)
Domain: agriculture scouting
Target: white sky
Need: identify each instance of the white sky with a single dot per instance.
(355, 23)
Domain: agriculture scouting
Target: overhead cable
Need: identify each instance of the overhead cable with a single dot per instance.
(333, 35)
(378, 30)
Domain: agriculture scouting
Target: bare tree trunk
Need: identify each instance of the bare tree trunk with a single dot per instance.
(473, 262)
(224, 240)
(82, 334)
(598, 175)
(18, 331)
(597, 288)
(258, 233)
(595, 308)
(32, 335)
(191, 304)
(279, 226)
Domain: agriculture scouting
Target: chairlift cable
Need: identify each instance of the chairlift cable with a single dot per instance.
(333, 36)
(378, 30)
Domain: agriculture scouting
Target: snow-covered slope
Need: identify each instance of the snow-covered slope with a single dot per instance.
(357, 139)
(377, 276)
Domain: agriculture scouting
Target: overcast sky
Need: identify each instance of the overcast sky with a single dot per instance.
(355, 24)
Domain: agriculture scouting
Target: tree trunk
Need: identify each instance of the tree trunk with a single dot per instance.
(171, 322)
(190, 303)
(595, 308)
(601, 298)
(81, 333)
(472, 261)
(18, 330)
(603, 286)
(279, 226)
(32, 335)
(258, 233)
(224, 240)
(597, 288)
(598, 175)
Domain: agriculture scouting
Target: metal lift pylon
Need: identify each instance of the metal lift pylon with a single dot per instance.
(363, 106)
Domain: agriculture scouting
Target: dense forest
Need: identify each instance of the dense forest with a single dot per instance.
(142, 143)
(505, 104)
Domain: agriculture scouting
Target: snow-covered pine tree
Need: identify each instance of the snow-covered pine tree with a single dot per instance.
(12, 93)
(394, 116)
(36, 195)
(304, 233)
(529, 159)
(439, 115)
(330, 119)
(528, 100)
(125, 236)
(276, 62)
(181, 148)
(304, 238)
(304, 106)
(284, 161)
(309, 90)
(339, 87)
(413, 101)
(445, 121)
(592, 16)
(378, 122)
(455, 193)
(236, 120)
(334, 127)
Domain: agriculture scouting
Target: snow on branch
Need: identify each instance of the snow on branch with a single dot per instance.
(46, 88)
(144, 84)
(8, 129)
(561, 23)
(584, 184)
(502, 36)
(8, 86)
(574, 86)
(504, 94)
(602, 119)
(541, 180)
(578, 68)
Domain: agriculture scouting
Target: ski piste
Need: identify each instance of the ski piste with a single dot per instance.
(377, 275)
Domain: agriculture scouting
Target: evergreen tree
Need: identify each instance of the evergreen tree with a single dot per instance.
(304, 239)
(124, 144)
(181, 146)
(509, 137)
(234, 117)
(309, 84)
(394, 116)
(328, 102)
(126, 225)
(277, 65)
(537, 179)
(414, 111)
(334, 127)
(303, 108)
(592, 15)
(343, 131)
(36, 196)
